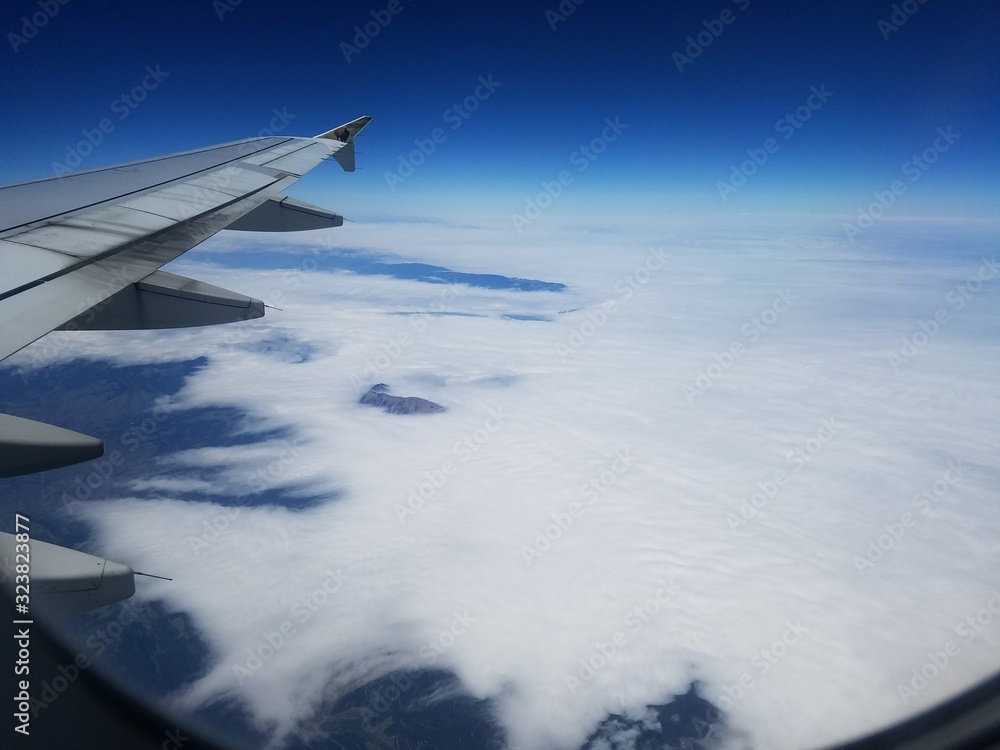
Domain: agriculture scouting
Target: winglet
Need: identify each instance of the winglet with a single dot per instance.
(345, 133)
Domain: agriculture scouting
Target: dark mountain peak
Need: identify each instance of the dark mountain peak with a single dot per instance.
(378, 396)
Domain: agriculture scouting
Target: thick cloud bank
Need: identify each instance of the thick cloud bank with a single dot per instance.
(753, 456)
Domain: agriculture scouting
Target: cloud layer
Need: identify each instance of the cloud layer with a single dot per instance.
(752, 455)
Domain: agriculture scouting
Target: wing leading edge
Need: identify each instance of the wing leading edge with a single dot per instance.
(83, 251)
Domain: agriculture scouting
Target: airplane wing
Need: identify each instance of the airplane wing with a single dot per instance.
(83, 251)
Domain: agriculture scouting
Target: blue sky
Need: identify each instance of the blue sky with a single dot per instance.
(231, 67)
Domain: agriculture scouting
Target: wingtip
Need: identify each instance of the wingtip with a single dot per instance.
(346, 133)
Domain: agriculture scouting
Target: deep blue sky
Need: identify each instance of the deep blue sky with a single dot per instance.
(685, 129)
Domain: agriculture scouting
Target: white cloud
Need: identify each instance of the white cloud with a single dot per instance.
(173, 485)
(764, 589)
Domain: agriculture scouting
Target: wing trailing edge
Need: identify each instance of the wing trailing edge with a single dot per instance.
(287, 215)
(166, 300)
